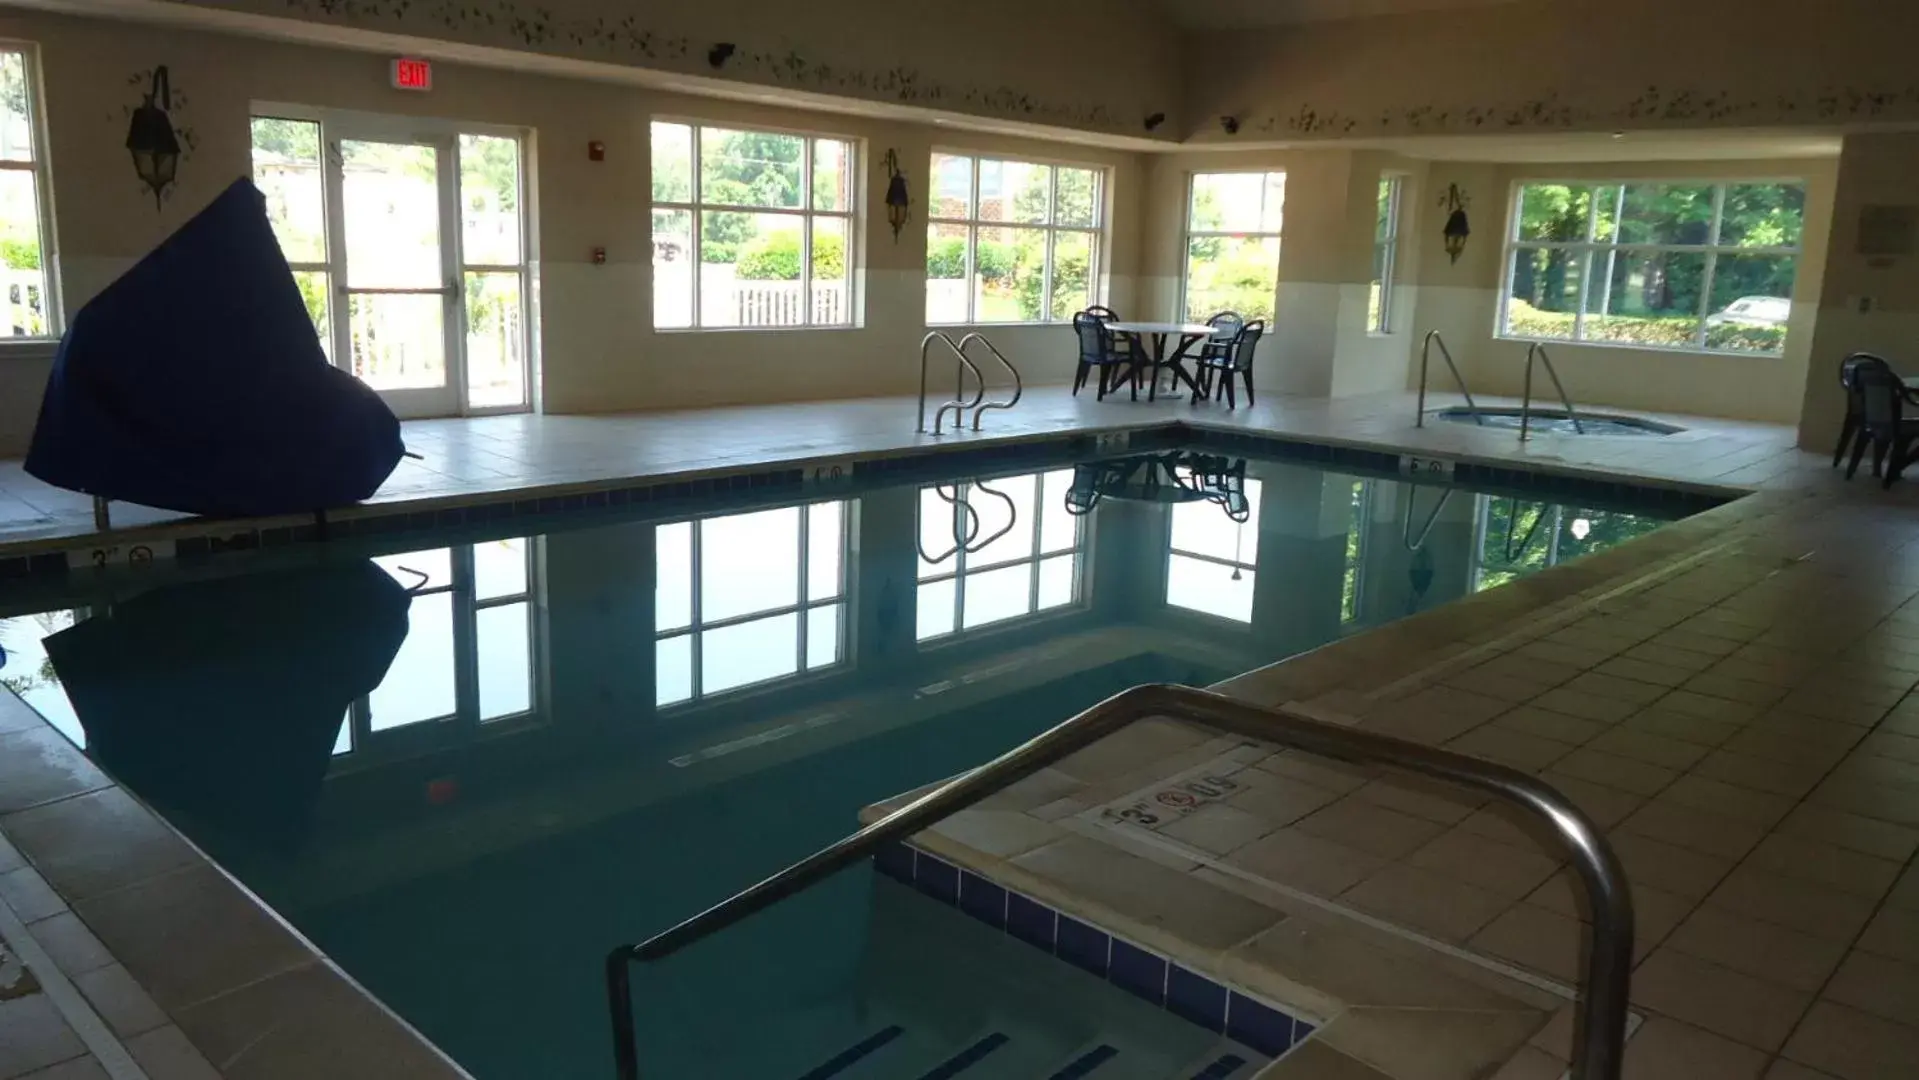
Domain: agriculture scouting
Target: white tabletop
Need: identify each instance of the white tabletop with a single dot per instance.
(1196, 329)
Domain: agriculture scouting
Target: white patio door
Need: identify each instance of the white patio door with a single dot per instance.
(397, 313)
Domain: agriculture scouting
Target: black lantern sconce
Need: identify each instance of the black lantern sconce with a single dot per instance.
(1155, 120)
(1458, 228)
(1229, 124)
(720, 53)
(151, 140)
(898, 202)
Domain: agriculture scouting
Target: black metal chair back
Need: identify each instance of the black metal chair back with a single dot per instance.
(1246, 343)
(1095, 341)
(1882, 397)
(1226, 327)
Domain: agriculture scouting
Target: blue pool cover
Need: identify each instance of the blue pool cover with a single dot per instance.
(196, 383)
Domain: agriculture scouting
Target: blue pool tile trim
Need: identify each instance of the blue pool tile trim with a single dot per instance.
(966, 1058)
(853, 1055)
(1255, 1024)
(1221, 1068)
(1084, 1064)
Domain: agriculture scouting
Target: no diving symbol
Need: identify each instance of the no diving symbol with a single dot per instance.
(140, 555)
(1178, 798)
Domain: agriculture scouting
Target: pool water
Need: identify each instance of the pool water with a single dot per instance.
(468, 765)
(1559, 421)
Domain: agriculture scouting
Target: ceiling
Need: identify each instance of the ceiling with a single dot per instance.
(1243, 14)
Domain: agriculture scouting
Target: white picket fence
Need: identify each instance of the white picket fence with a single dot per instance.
(24, 296)
(727, 301)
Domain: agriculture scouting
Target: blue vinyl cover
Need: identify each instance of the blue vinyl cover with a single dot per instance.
(196, 383)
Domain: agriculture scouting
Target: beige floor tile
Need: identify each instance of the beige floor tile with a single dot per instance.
(1280, 800)
(97, 842)
(1825, 864)
(1821, 702)
(1666, 655)
(1717, 684)
(29, 894)
(1694, 829)
(1691, 703)
(1496, 684)
(1324, 965)
(1666, 1049)
(166, 1054)
(1751, 1011)
(1893, 932)
(1585, 705)
(1000, 833)
(1320, 867)
(1654, 862)
(1879, 985)
(1613, 686)
(1905, 893)
(1791, 1070)
(1334, 776)
(1529, 753)
(80, 1068)
(120, 1001)
(1852, 1045)
(1367, 826)
(307, 1024)
(1122, 752)
(1682, 726)
(1626, 742)
(1797, 905)
(1218, 828)
(1655, 911)
(1645, 671)
(1530, 1063)
(39, 765)
(1180, 904)
(1501, 869)
(33, 1036)
(1895, 746)
(1606, 806)
(1547, 942)
(1704, 793)
(1429, 800)
(1792, 959)
(1792, 778)
(1317, 1060)
(1439, 905)
(69, 944)
(1431, 1044)
(1613, 771)
(1550, 725)
(1532, 669)
(1573, 656)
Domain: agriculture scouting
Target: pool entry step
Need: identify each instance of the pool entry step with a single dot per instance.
(890, 1054)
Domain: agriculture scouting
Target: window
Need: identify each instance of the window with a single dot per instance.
(471, 654)
(1359, 519)
(746, 599)
(1011, 241)
(1213, 558)
(766, 218)
(1516, 537)
(26, 231)
(994, 550)
(1660, 265)
(1379, 317)
(1233, 222)
(372, 236)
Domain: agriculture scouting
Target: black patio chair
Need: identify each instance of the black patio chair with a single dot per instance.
(1226, 327)
(1855, 403)
(1884, 420)
(1097, 349)
(1238, 360)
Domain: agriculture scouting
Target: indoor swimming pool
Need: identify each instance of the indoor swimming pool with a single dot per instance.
(467, 763)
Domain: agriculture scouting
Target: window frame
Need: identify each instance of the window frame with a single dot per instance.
(853, 216)
(51, 298)
(1188, 234)
(1099, 232)
(1256, 489)
(958, 570)
(696, 628)
(1386, 251)
(1711, 251)
(444, 136)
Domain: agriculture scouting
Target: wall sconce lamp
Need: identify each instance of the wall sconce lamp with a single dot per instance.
(719, 54)
(151, 140)
(898, 202)
(1229, 124)
(1155, 120)
(1458, 228)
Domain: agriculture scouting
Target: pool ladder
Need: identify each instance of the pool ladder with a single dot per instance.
(1538, 352)
(960, 404)
(1425, 361)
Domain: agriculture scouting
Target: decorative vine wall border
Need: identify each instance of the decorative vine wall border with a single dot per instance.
(1654, 106)
(624, 39)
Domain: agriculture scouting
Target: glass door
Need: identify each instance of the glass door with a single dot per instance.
(396, 273)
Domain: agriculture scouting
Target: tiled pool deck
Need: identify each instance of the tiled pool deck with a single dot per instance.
(1727, 696)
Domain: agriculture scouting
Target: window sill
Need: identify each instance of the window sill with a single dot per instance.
(842, 328)
(1738, 354)
(28, 348)
(995, 325)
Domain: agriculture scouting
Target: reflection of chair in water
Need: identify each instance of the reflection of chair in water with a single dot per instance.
(1179, 476)
(220, 701)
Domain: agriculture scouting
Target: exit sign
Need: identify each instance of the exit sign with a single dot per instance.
(411, 73)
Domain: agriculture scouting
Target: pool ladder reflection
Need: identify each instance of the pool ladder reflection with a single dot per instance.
(966, 524)
(960, 404)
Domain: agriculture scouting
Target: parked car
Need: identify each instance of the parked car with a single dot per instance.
(1753, 311)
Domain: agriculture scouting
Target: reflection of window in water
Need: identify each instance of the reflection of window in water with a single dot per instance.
(1213, 558)
(1516, 537)
(470, 649)
(29, 673)
(1359, 517)
(1017, 553)
(748, 598)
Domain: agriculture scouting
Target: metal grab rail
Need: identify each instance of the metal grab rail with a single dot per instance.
(959, 503)
(1412, 491)
(959, 404)
(1019, 384)
(1425, 358)
(1538, 350)
(1600, 1030)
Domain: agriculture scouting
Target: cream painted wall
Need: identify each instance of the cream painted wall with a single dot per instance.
(1462, 301)
(1563, 65)
(599, 350)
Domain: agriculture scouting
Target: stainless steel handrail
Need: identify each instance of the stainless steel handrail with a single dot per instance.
(1425, 359)
(958, 404)
(958, 502)
(1538, 350)
(1412, 491)
(1019, 385)
(1600, 1029)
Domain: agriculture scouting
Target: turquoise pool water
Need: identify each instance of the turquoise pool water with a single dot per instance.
(467, 764)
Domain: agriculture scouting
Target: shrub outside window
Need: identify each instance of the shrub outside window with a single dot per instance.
(1011, 241)
(1233, 224)
(26, 228)
(1665, 265)
(751, 228)
(1379, 315)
